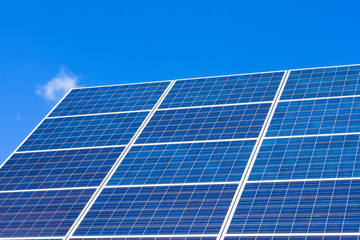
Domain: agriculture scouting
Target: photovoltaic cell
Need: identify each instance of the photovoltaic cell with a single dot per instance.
(40, 213)
(322, 116)
(152, 238)
(184, 163)
(293, 237)
(131, 97)
(158, 210)
(322, 82)
(57, 169)
(308, 157)
(298, 207)
(223, 90)
(84, 131)
(208, 123)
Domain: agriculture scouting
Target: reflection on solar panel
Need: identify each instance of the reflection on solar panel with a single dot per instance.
(266, 156)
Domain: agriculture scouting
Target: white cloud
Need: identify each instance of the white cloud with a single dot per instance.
(58, 86)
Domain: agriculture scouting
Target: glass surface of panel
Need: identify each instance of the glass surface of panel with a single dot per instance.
(322, 82)
(322, 116)
(223, 90)
(57, 169)
(152, 238)
(158, 210)
(208, 123)
(298, 207)
(40, 213)
(346, 237)
(184, 163)
(308, 157)
(132, 97)
(84, 131)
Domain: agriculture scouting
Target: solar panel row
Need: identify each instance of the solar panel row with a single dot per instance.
(181, 175)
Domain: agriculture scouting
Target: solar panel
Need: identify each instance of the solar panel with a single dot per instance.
(244, 157)
(223, 90)
(57, 169)
(84, 131)
(308, 158)
(40, 213)
(331, 206)
(184, 163)
(198, 209)
(109, 99)
(322, 116)
(322, 82)
(209, 123)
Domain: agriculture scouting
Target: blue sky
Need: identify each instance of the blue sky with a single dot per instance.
(112, 42)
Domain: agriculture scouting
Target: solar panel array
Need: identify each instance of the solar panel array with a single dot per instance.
(244, 157)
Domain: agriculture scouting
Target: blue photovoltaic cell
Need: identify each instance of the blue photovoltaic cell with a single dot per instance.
(322, 116)
(293, 237)
(40, 213)
(85, 131)
(208, 123)
(308, 157)
(158, 210)
(57, 169)
(298, 207)
(184, 163)
(156, 238)
(223, 90)
(322, 82)
(131, 97)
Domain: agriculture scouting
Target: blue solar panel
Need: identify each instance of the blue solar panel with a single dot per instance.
(57, 169)
(209, 123)
(335, 237)
(131, 97)
(158, 210)
(85, 131)
(308, 157)
(40, 213)
(298, 207)
(184, 163)
(322, 82)
(152, 238)
(324, 116)
(223, 90)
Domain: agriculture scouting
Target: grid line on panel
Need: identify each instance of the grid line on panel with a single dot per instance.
(215, 105)
(156, 237)
(319, 98)
(241, 186)
(292, 234)
(199, 141)
(65, 149)
(112, 170)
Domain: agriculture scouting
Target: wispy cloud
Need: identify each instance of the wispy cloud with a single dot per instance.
(58, 86)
